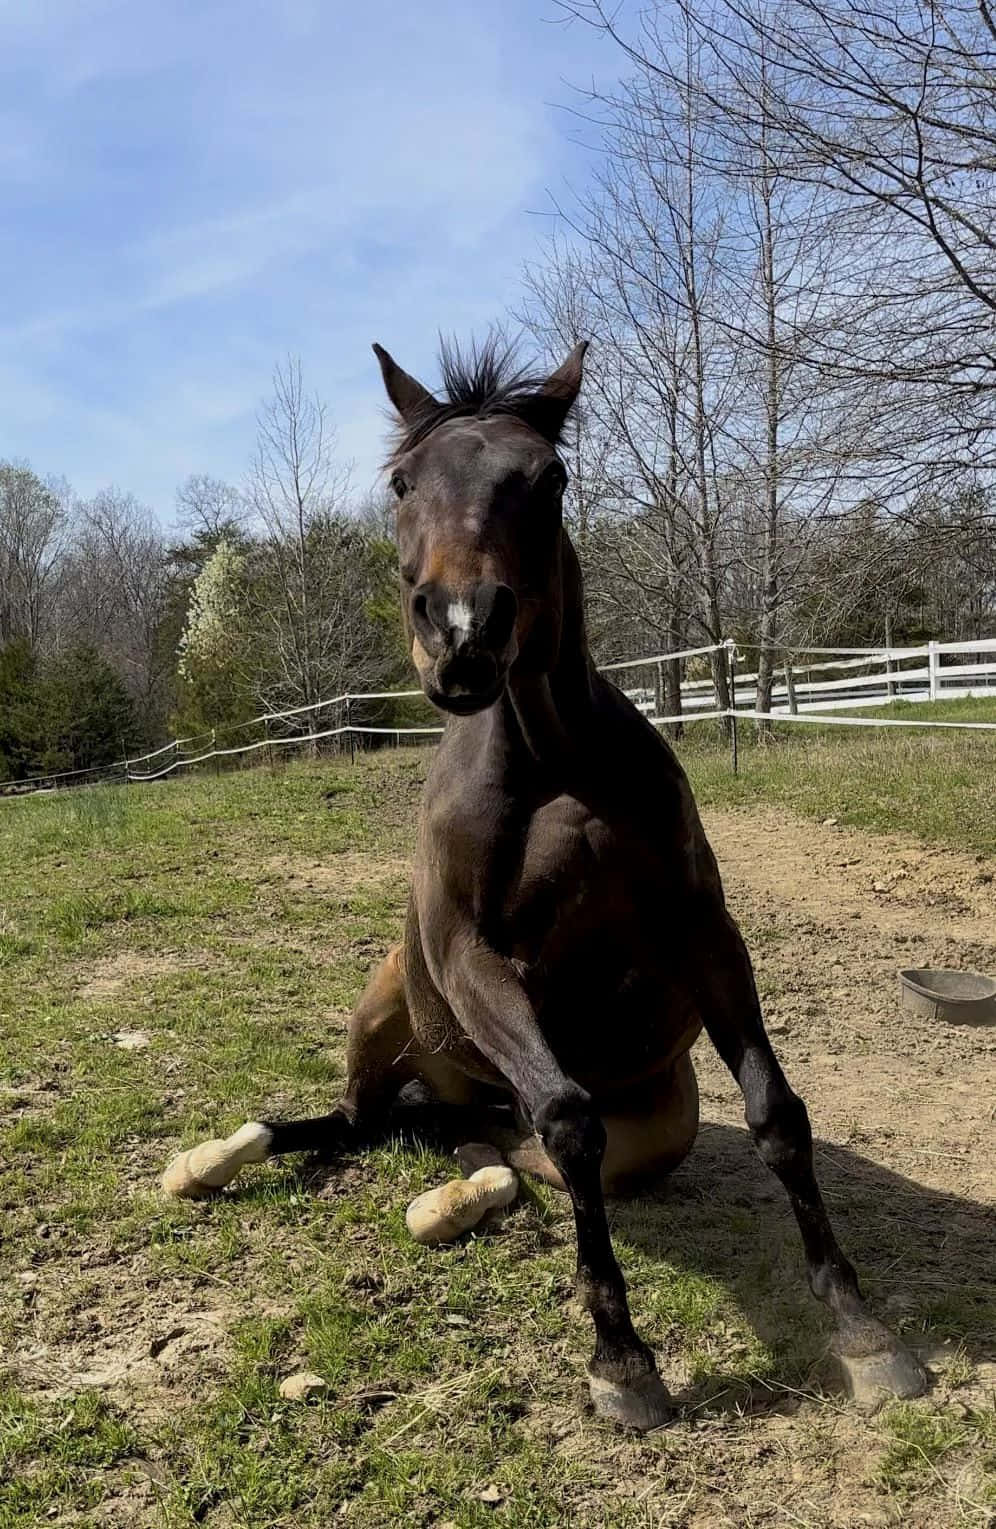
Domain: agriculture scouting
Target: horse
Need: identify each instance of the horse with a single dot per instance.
(566, 937)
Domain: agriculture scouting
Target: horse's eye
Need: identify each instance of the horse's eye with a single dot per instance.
(399, 485)
(554, 479)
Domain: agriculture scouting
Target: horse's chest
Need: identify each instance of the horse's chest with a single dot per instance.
(587, 895)
(590, 926)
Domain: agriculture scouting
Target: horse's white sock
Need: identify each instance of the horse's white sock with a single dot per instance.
(203, 1169)
(441, 1215)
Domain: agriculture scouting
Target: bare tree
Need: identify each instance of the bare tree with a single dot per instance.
(887, 114)
(209, 506)
(312, 579)
(34, 521)
(117, 596)
(667, 392)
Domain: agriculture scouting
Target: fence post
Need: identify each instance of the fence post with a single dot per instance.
(349, 733)
(933, 665)
(731, 654)
(659, 689)
(890, 689)
(790, 684)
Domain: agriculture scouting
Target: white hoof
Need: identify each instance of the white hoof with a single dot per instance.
(443, 1214)
(203, 1170)
(302, 1386)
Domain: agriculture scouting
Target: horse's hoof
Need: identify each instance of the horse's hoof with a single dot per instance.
(891, 1371)
(181, 1183)
(642, 1405)
(201, 1171)
(444, 1214)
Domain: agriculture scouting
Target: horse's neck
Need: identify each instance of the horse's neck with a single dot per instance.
(550, 710)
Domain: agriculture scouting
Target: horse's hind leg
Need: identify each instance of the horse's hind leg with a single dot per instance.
(378, 1064)
(872, 1359)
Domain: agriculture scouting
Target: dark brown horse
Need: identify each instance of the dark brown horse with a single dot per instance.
(567, 937)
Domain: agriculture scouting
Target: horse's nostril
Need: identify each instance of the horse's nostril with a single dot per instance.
(420, 607)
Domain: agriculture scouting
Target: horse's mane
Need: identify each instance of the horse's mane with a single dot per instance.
(477, 383)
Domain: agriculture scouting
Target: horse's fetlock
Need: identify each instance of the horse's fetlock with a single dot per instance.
(623, 1365)
(606, 1296)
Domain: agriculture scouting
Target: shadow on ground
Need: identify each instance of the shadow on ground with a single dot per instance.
(925, 1258)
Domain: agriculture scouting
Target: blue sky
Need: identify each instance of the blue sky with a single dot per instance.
(191, 191)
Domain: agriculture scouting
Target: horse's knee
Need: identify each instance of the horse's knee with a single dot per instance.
(571, 1131)
(779, 1126)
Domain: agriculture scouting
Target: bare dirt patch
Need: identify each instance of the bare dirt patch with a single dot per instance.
(339, 874)
(113, 975)
(831, 915)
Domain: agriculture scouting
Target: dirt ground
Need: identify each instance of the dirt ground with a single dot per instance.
(903, 1110)
(851, 910)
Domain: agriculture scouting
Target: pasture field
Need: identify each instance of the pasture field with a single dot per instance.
(179, 957)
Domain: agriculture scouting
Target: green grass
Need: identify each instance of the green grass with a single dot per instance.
(939, 787)
(183, 910)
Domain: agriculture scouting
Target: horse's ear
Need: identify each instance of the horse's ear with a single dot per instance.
(548, 408)
(408, 396)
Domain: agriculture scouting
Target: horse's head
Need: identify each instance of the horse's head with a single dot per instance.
(479, 487)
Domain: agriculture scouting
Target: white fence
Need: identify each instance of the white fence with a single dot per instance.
(810, 685)
(823, 680)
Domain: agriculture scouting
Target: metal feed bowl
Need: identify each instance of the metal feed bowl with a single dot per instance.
(965, 998)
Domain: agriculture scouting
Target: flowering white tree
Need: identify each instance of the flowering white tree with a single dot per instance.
(210, 637)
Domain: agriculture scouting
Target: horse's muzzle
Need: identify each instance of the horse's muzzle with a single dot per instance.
(465, 642)
(463, 682)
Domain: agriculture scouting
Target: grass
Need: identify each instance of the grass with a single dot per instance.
(232, 921)
(940, 786)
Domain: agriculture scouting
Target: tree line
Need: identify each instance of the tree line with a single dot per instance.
(785, 259)
(272, 595)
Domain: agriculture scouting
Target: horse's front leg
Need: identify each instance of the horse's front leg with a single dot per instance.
(492, 1007)
(872, 1359)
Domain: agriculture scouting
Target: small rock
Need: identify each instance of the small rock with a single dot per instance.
(880, 886)
(491, 1496)
(130, 1040)
(830, 822)
(778, 1027)
(302, 1386)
